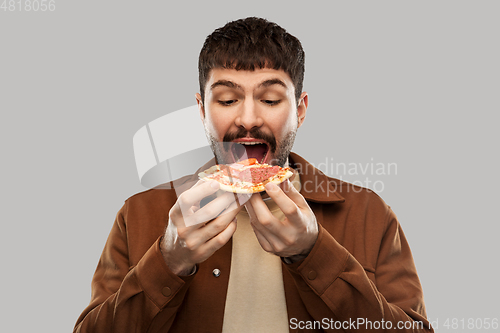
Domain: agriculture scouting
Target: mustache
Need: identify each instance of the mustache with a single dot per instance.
(255, 134)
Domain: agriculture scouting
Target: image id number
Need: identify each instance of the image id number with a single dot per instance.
(471, 323)
(28, 5)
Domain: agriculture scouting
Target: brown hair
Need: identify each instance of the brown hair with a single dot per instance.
(252, 43)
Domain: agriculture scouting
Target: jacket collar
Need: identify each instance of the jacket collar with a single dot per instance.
(315, 185)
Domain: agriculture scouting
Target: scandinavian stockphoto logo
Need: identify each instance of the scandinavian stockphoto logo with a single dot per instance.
(365, 174)
(170, 147)
(353, 176)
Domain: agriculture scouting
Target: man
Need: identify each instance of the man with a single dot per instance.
(312, 254)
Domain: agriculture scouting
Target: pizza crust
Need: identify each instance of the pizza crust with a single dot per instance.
(244, 187)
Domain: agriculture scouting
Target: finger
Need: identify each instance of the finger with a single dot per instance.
(261, 214)
(214, 227)
(250, 211)
(284, 202)
(198, 205)
(231, 202)
(212, 209)
(220, 239)
(293, 194)
(199, 182)
(264, 243)
(196, 193)
(295, 174)
(234, 205)
(195, 238)
(270, 242)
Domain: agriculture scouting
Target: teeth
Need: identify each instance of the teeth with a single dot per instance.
(250, 143)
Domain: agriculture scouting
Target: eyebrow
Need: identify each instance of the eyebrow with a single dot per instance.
(225, 83)
(271, 82)
(264, 84)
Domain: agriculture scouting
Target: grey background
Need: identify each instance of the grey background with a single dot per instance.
(412, 83)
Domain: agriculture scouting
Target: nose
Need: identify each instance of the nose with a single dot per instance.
(249, 116)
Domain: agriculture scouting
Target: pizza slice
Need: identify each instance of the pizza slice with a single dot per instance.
(247, 176)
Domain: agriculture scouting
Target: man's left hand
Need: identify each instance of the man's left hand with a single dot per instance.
(296, 234)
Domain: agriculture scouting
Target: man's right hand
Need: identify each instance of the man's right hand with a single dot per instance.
(193, 234)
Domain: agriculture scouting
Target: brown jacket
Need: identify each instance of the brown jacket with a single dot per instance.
(360, 270)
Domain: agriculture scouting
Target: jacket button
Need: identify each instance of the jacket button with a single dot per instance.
(166, 291)
(312, 275)
(216, 272)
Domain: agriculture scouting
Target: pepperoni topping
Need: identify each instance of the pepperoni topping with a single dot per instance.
(258, 175)
(254, 174)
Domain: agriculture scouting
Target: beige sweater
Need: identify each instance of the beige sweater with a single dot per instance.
(255, 299)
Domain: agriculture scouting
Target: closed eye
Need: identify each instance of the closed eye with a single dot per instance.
(271, 102)
(227, 102)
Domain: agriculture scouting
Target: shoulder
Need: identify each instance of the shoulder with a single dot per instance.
(358, 196)
(361, 210)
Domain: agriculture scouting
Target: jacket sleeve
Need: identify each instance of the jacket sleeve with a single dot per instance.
(129, 299)
(391, 300)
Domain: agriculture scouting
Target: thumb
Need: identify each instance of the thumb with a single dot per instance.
(250, 210)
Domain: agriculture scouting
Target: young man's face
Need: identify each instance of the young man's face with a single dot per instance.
(251, 114)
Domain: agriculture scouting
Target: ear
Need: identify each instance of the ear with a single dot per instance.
(302, 108)
(201, 108)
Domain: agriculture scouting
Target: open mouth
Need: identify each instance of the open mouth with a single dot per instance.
(243, 150)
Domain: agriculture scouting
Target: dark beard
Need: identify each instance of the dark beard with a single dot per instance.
(284, 149)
